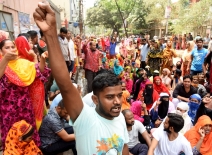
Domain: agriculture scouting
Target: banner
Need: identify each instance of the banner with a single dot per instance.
(24, 21)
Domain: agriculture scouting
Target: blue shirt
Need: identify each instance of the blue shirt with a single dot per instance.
(144, 51)
(56, 101)
(112, 48)
(198, 59)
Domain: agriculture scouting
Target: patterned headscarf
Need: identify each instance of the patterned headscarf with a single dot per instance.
(16, 147)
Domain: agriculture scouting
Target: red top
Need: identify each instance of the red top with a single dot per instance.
(91, 59)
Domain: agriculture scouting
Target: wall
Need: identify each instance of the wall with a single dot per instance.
(24, 6)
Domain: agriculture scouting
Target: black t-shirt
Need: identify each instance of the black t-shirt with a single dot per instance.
(180, 90)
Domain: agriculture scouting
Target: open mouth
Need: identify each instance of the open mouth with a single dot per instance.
(116, 109)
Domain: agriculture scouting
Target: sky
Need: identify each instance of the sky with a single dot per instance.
(89, 3)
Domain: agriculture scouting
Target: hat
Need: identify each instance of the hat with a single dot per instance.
(147, 67)
(156, 71)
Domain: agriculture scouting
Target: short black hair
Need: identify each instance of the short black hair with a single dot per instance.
(101, 71)
(126, 111)
(26, 35)
(178, 72)
(176, 121)
(41, 33)
(30, 133)
(61, 104)
(63, 30)
(199, 39)
(187, 77)
(104, 80)
(33, 34)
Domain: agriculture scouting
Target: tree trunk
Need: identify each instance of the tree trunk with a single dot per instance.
(123, 20)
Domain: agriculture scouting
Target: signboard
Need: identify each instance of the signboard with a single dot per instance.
(24, 21)
(3, 25)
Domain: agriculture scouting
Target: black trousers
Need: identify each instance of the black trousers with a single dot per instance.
(89, 75)
(61, 146)
(139, 149)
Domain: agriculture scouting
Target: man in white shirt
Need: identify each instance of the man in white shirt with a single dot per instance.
(72, 52)
(168, 141)
(135, 127)
(97, 131)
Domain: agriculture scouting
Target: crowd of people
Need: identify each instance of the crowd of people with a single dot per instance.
(137, 101)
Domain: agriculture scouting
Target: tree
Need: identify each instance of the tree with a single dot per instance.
(117, 13)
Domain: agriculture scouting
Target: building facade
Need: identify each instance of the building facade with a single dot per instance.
(16, 16)
(69, 13)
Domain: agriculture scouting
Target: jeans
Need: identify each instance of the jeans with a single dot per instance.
(139, 149)
(89, 75)
(61, 146)
(192, 72)
(71, 67)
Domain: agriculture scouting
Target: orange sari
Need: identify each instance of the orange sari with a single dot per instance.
(193, 136)
(13, 145)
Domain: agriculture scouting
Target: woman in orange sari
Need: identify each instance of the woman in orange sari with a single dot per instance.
(186, 57)
(19, 140)
(21, 89)
(200, 136)
(168, 55)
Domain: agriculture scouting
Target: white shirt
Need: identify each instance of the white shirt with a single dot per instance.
(187, 123)
(97, 135)
(167, 147)
(133, 134)
(88, 100)
(72, 50)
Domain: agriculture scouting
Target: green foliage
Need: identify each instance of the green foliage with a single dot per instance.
(112, 15)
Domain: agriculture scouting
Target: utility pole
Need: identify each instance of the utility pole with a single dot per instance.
(71, 16)
(81, 17)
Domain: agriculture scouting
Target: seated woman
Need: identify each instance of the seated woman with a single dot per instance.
(166, 78)
(159, 86)
(137, 108)
(150, 95)
(21, 82)
(182, 110)
(205, 108)
(129, 82)
(19, 140)
(200, 136)
(117, 68)
(160, 109)
(194, 103)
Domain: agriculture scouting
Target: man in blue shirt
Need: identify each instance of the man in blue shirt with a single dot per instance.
(113, 47)
(197, 58)
(144, 50)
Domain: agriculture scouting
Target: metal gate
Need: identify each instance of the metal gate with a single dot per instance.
(6, 23)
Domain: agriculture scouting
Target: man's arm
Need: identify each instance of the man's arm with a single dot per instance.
(146, 137)
(44, 17)
(125, 150)
(65, 136)
(152, 147)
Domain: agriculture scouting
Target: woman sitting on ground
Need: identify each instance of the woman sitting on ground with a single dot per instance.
(19, 140)
(194, 103)
(200, 136)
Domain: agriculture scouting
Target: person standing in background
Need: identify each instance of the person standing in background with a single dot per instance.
(72, 52)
